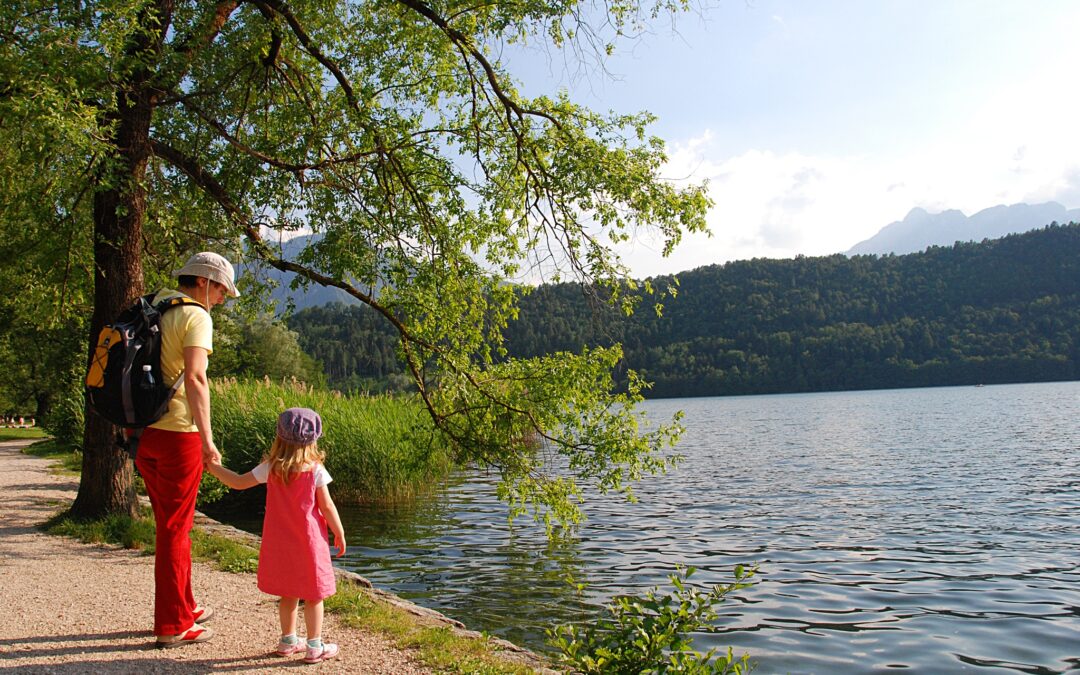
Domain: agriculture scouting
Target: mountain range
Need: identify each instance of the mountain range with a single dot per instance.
(996, 311)
(920, 228)
(917, 231)
(280, 282)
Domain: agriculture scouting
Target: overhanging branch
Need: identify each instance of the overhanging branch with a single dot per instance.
(466, 45)
(206, 182)
(188, 46)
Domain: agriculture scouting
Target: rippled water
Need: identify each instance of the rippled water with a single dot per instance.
(936, 530)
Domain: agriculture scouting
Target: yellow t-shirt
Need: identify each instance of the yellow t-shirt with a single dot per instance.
(183, 326)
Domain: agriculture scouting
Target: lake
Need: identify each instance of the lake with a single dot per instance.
(935, 530)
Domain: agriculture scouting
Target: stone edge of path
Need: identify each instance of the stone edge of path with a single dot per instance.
(423, 615)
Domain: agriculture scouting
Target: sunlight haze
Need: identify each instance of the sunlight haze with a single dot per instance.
(817, 124)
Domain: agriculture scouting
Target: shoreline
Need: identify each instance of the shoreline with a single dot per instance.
(97, 618)
(423, 614)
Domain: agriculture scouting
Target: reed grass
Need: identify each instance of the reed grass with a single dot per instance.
(378, 448)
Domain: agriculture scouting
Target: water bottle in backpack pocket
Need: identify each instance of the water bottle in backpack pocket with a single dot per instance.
(124, 383)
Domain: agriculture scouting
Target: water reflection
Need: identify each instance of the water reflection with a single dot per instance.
(934, 530)
(456, 552)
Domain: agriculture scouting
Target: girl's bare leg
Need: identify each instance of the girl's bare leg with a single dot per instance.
(287, 613)
(313, 615)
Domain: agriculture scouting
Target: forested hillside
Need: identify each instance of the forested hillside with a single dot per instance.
(1006, 310)
(354, 344)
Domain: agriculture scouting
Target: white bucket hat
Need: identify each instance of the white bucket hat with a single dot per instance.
(213, 267)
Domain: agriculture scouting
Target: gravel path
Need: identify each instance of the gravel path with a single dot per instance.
(78, 608)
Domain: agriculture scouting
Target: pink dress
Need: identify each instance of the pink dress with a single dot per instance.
(294, 559)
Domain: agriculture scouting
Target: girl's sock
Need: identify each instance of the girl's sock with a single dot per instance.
(289, 639)
(314, 643)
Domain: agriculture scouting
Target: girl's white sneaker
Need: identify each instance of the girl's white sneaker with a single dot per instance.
(316, 654)
(287, 649)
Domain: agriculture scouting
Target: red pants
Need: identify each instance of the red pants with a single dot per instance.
(171, 466)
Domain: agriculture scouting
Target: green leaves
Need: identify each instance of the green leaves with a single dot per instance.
(550, 422)
(652, 634)
(391, 130)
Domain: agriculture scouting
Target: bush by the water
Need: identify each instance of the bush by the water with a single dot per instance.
(652, 634)
(378, 448)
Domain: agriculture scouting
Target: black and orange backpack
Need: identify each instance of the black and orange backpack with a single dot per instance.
(124, 382)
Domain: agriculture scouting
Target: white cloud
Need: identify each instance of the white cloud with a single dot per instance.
(1021, 143)
(770, 205)
(993, 135)
(778, 206)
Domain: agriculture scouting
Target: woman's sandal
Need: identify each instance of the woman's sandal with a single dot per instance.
(193, 635)
(203, 614)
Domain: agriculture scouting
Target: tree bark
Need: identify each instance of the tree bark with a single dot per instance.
(43, 404)
(107, 485)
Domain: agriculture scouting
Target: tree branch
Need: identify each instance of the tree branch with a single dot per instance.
(465, 44)
(188, 46)
(269, 7)
(270, 159)
(206, 182)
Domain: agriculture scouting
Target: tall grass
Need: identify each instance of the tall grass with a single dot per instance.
(378, 448)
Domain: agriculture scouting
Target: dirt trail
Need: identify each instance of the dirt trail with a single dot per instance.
(76, 608)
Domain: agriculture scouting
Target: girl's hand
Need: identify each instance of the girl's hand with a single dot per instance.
(340, 543)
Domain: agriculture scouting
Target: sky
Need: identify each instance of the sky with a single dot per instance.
(817, 123)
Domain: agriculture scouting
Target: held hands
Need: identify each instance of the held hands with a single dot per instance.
(210, 454)
(215, 469)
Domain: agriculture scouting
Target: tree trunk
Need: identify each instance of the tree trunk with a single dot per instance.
(43, 401)
(107, 485)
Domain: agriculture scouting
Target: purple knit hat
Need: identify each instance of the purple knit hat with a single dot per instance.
(299, 425)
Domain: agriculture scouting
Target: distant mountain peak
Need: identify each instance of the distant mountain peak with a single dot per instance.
(920, 228)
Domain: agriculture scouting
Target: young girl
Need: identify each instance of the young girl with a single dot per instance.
(294, 559)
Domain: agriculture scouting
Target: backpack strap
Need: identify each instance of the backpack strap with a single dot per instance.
(165, 404)
(131, 442)
(174, 301)
(164, 306)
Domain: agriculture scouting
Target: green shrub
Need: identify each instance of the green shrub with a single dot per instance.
(652, 634)
(378, 448)
(66, 420)
(131, 533)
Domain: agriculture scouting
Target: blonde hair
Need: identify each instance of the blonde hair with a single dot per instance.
(287, 459)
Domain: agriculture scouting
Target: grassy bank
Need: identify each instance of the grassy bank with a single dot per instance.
(138, 534)
(67, 460)
(378, 448)
(438, 647)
